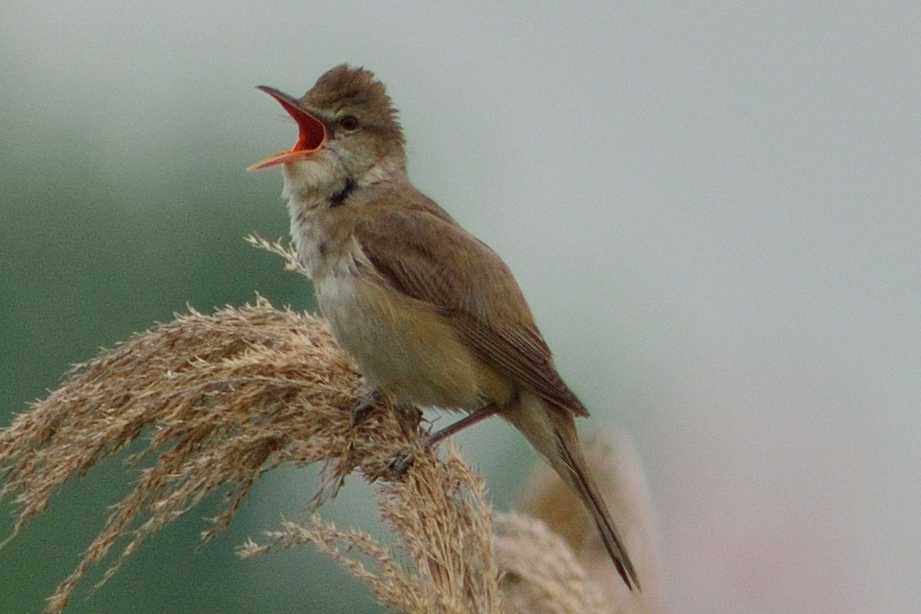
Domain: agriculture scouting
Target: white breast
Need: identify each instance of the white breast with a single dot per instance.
(307, 185)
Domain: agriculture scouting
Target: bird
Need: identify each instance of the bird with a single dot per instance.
(432, 315)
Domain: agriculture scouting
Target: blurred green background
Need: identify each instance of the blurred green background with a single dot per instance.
(713, 210)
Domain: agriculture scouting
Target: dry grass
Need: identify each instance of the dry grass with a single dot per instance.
(542, 574)
(219, 399)
(441, 516)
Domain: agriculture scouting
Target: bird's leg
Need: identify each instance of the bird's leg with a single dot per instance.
(468, 420)
(403, 460)
(365, 405)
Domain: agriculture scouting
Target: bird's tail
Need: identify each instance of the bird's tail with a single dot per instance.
(552, 431)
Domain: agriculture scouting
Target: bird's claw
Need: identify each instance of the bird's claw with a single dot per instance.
(400, 462)
(364, 406)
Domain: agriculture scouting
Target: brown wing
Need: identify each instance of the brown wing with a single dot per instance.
(433, 260)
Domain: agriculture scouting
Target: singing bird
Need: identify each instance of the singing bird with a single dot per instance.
(430, 313)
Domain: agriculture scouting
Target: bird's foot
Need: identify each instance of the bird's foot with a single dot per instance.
(400, 462)
(410, 412)
(364, 406)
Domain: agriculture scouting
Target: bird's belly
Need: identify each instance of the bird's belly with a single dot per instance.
(405, 347)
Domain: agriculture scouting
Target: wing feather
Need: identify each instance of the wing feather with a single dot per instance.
(432, 259)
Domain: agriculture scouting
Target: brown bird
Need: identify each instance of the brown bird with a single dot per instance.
(430, 313)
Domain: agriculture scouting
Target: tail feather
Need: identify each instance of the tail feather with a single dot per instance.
(585, 486)
(552, 431)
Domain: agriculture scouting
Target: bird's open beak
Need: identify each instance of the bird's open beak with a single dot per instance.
(311, 133)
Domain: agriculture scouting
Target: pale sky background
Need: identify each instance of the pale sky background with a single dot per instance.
(712, 207)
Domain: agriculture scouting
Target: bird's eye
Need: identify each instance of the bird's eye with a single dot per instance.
(349, 122)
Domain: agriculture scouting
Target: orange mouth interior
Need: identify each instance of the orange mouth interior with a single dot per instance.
(311, 133)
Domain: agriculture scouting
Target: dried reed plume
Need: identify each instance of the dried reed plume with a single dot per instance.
(221, 398)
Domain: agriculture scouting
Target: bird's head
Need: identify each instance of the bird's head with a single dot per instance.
(347, 130)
